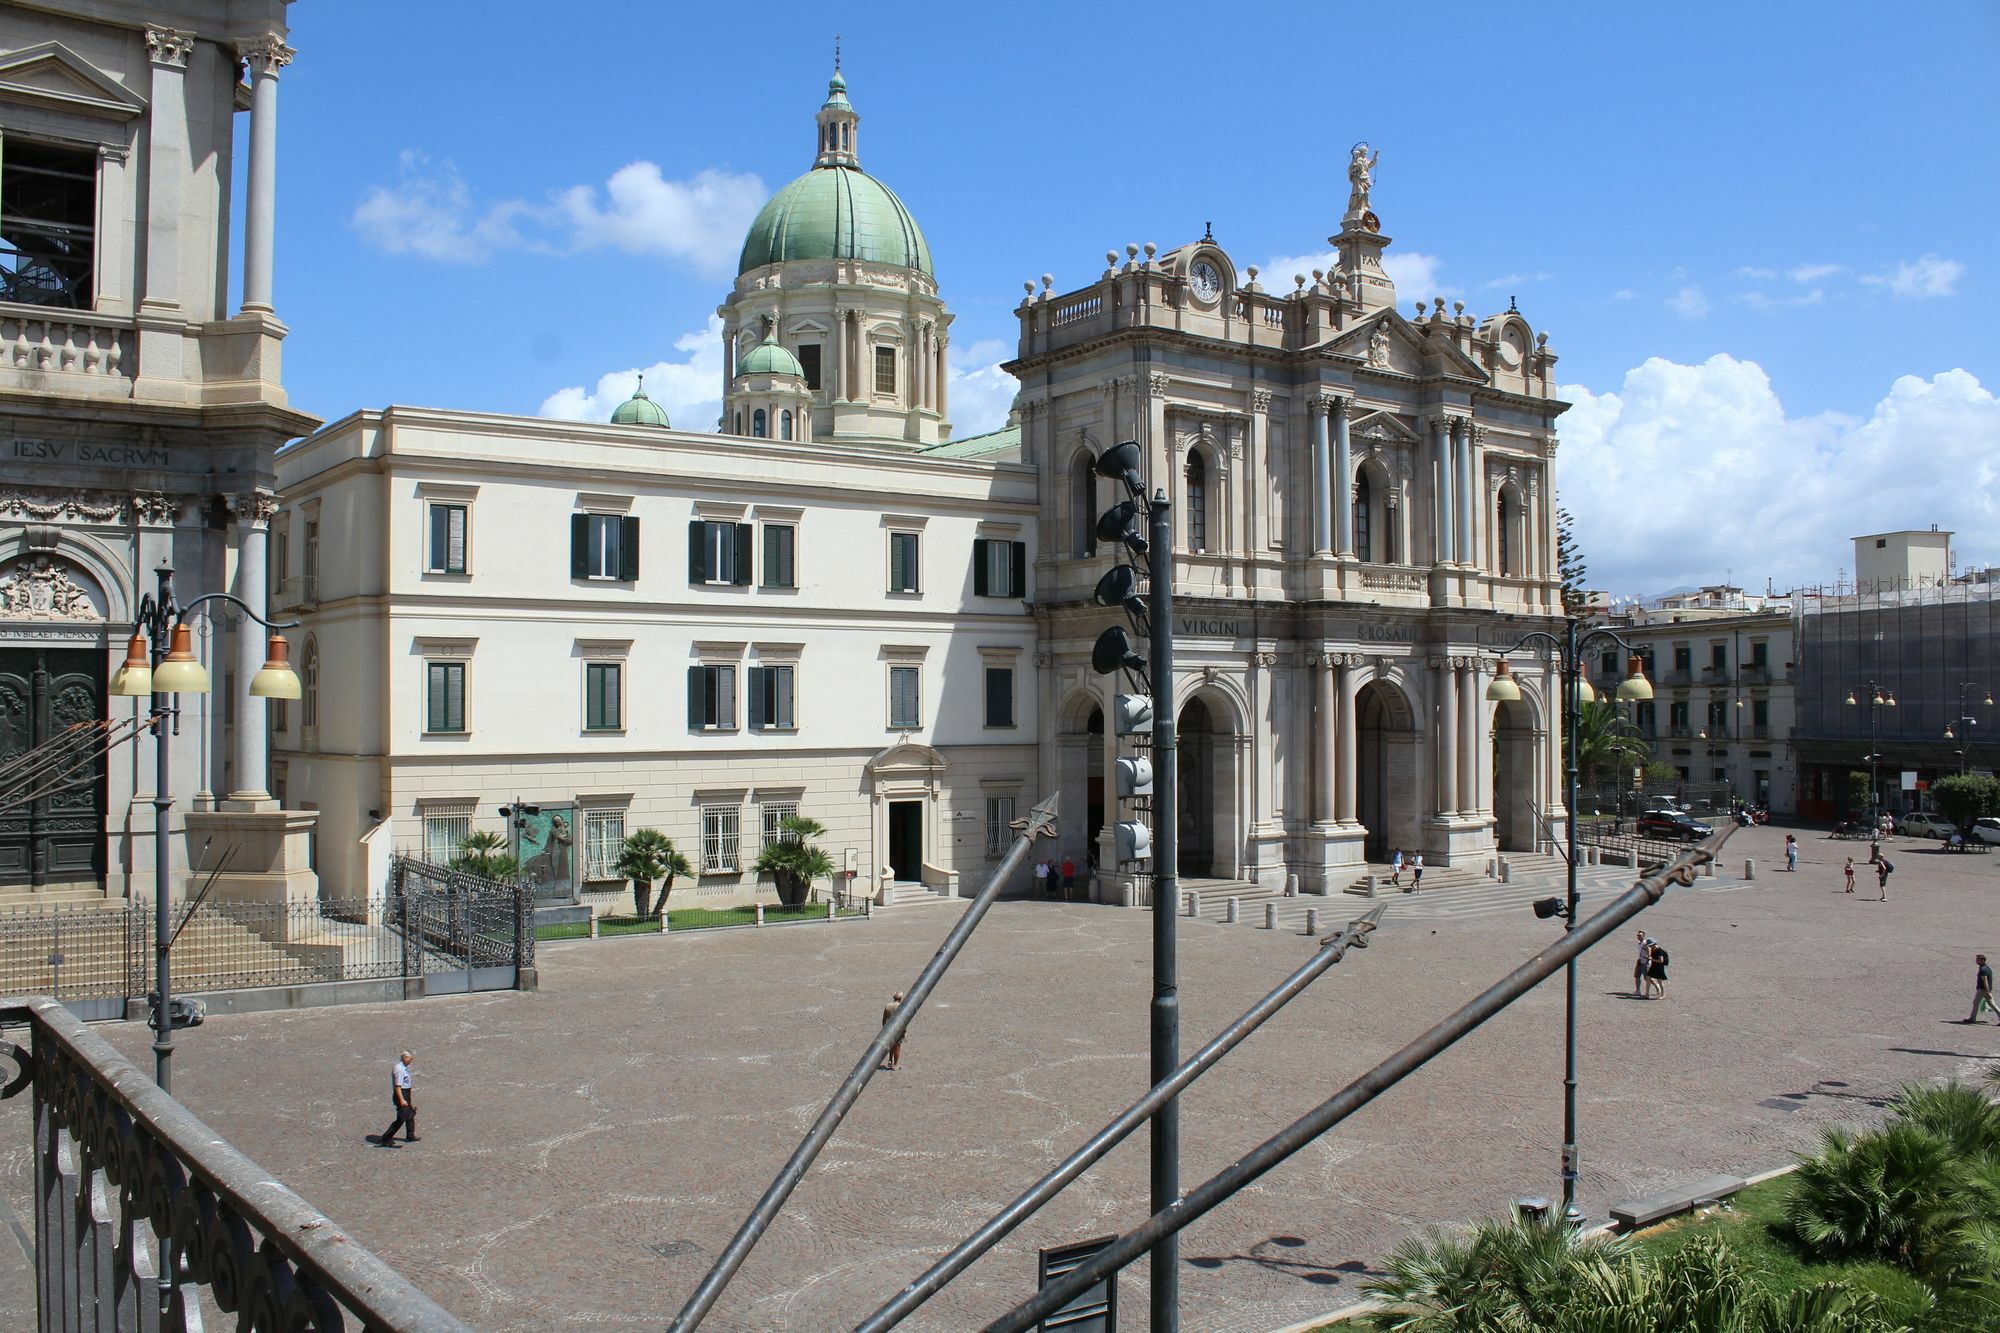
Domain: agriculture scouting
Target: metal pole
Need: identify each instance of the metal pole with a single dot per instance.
(1252, 1166)
(1166, 1013)
(164, 714)
(1331, 950)
(1040, 823)
(1572, 709)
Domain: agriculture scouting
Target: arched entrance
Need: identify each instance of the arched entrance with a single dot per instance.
(1080, 774)
(1387, 800)
(1514, 776)
(1194, 734)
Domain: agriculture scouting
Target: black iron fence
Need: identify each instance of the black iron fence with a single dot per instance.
(451, 931)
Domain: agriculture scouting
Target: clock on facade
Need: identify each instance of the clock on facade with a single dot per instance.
(1205, 279)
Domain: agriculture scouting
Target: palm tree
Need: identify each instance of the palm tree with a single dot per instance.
(1605, 742)
(792, 860)
(1502, 1275)
(484, 854)
(646, 856)
(1889, 1194)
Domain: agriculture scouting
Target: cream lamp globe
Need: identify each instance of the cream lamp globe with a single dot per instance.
(276, 679)
(180, 671)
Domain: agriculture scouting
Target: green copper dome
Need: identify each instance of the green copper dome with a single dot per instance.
(770, 358)
(836, 212)
(639, 410)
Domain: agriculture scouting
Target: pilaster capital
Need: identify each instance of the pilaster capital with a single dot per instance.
(1479, 434)
(169, 47)
(1322, 402)
(1260, 400)
(1153, 385)
(155, 509)
(254, 509)
(1263, 659)
(1044, 660)
(266, 55)
(1343, 403)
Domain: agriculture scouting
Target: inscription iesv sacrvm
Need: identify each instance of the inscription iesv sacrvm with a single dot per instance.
(91, 455)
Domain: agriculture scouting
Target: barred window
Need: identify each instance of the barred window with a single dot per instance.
(444, 830)
(999, 815)
(603, 839)
(721, 836)
(775, 813)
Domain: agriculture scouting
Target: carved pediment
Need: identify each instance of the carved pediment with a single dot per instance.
(1383, 427)
(50, 75)
(1390, 342)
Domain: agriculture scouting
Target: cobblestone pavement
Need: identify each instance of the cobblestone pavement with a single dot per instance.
(587, 1150)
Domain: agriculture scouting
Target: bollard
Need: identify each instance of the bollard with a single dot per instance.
(663, 921)
(1493, 867)
(593, 935)
(1270, 916)
(760, 914)
(1291, 886)
(1312, 921)
(1193, 903)
(1506, 873)
(1709, 870)
(1372, 882)
(1230, 915)
(1749, 869)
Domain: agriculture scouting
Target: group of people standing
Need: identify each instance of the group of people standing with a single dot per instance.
(1053, 880)
(1649, 972)
(1415, 865)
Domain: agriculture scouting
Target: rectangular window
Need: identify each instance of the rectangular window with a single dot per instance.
(281, 716)
(1680, 770)
(771, 698)
(999, 569)
(712, 698)
(902, 562)
(444, 830)
(999, 696)
(1677, 717)
(885, 370)
(999, 818)
(603, 840)
(721, 836)
(1760, 713)
(311, 573)
(604, 546)
(1642, 718)
(780, 544)
(603, 696)
(719, 553)
(904, 714)
(1718, 656)
(1718, 718)
(48, 224)
(444, 697)
(447, 544)
(1683, 657)
(1607, 663)
(772, 814)
(1760, 656)
(809, 362)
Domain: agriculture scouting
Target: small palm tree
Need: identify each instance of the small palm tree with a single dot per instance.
(649, 856)
(793, 861)
(1605, 742)
(1956, 1112)
(1502, 1275)
(484, 854)
(1889, 1194)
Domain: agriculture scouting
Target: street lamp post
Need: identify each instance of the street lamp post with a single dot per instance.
(159, 664)
(1965, 721)
(1877, 698)
(1576, 692)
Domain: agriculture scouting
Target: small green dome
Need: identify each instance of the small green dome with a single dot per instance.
(836, 212)
(639, 410)
(770, 358)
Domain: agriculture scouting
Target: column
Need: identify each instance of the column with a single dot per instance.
(1258, 484)
(267, 55)
(1325, 718)
(943, 378)
(1446, 694)
(852, 332)
(1322, 488)
(166, 163)
(1347, 760)
(836, 374)
(1441, 519)
(1343, 480)
(1478, 500)
(1461, 430)
(1468, 741)
(249, 750)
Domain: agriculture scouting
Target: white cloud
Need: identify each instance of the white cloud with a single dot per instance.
(1513, 280)
(1415, 274)
(1687, 472)
(1803, 273)
(1624, 294)
(1751, 271)
(1688, 303)
(690, 389)
(981, 394)
(431, 212)
(1761, 301)
(1915, 279)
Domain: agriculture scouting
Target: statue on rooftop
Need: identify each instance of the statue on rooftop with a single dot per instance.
(1361, 178)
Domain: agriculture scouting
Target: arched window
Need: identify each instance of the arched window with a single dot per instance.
(309, 684)
(757, 423)
(1503, 519)
(1083, 503)
(1364, 526)
(739, 423)
(785, 425)
(1197, 501)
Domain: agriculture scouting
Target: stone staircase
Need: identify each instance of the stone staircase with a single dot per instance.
(93, 948)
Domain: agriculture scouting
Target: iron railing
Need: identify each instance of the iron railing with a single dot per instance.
(141, 1210)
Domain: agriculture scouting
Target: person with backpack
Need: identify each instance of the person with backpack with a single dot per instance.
(1882, 872)
(1656, 973)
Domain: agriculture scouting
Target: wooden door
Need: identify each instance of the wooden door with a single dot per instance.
(57, 839)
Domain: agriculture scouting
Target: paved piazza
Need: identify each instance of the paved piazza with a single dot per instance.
(588, 1149)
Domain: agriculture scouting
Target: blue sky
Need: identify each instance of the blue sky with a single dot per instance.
(1758, 234)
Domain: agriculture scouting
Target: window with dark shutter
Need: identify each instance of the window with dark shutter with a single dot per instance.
(903, 701)
(447, 544)
(770, 702)
(579, 546)
(444, 697)
(779, 544)
(902, 562)
(1019, 560)
(982, 579)
(999, 696)
(604, 546)
(739, 573)
(809, 362)
(757, 701)
(603, 701)
(712, 698)
(628, 549)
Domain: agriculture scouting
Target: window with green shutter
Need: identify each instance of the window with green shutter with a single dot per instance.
(903, 556)
(999, 569)
(604, 546)
(999, 696)
(719, 553)
(603, 696)
(444, 697)
(771, 698)
(904, 714)
(712, 698)
(780, 548)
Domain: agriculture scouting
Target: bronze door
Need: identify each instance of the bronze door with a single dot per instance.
(56, 839)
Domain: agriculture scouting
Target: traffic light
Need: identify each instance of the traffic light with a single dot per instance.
(1135, 840)
(1132, 714)
(1134, 776)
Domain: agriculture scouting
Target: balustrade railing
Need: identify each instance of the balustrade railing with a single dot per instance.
(141, 1209)
(64, 344)
(1077, 309)
(1392, 578)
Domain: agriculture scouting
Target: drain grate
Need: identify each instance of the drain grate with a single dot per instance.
(674, 1249)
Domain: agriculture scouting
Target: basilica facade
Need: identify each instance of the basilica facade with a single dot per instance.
(1364, 524)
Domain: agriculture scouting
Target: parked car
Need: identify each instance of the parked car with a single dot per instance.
(1986, 829)
(1926, 826)
(1672, 825)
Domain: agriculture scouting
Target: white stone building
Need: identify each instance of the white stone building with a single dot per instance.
(819, 610)
(1364, 518)
(140, 406)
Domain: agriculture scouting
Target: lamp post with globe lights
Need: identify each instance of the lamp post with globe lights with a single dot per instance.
(1961, 727)
(1576, 692)
(1875, 698)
